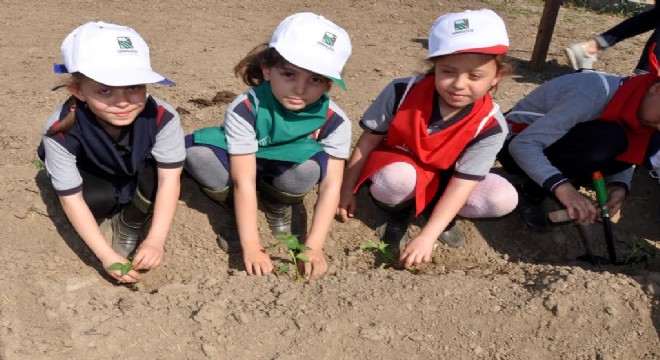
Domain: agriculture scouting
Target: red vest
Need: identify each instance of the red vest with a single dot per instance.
(408, 139)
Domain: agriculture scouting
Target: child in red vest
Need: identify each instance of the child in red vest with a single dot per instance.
(429, 141)
(577, 124)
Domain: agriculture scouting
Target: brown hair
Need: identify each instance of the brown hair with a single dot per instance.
(503, 67)
(69, 119)
(249, 68)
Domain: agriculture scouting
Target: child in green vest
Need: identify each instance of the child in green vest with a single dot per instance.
(279, 139)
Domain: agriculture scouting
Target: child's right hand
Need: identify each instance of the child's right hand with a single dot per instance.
(346, 207)
(578, 206)
(257, 261)
(130, 277)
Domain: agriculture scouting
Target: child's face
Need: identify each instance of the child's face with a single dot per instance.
(649, 110)
(295, 87)
(115, 105)
(462, 79)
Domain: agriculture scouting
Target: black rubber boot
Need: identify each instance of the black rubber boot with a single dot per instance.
(530, 208)
(128, 224)
(227, 237)
(285, 212)
(453, 236)
(394, 232)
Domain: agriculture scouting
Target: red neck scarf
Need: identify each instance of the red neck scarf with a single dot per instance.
(622, 109)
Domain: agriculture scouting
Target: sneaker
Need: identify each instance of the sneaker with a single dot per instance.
(125, 237)
(578, 57)
(533, 214)
(453, 236)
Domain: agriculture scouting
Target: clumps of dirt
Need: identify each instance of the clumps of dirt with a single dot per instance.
(221, 97)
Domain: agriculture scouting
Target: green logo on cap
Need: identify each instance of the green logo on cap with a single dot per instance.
(124, 42)
(329, 38)
(462, 24)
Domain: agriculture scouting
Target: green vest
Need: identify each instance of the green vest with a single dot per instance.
(282, 134)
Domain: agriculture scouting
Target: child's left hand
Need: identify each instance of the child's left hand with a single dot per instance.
(148, 256)
(316, 266)
(419, 250)
(615, 195)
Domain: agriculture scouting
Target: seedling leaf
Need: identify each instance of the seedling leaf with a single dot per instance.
(304, 247)
(124, 268)
(284, 268)
(302, 257)
(291, 242)
(115, 266)
(369, 245)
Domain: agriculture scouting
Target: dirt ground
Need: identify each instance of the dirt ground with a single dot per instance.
(509, 294)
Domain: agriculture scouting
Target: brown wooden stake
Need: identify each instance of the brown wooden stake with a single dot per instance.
(544, 35)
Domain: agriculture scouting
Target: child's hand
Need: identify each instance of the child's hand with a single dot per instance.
(130, 277)
(346, 207)
(615, 195)
(419, 250)
(148, 256)
(316, 266)
(578, 206)
(257, 261)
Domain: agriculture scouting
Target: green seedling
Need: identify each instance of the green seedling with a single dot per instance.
(642, 249)
(294, 249)
(124, 268)
(381, 248)
(38, 164)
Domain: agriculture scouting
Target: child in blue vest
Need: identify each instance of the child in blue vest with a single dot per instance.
(112, 150)
(281, 138)
(429, 141)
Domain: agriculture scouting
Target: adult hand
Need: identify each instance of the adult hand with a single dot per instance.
(149, 255)
(316, 266)
(419, 250)
(257, 261)
(578, 206)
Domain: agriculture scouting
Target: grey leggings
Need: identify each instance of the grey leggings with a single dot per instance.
(205, 167)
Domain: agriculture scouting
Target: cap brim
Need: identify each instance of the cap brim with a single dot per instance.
(60, 69)
(125, 78)
(339, 82)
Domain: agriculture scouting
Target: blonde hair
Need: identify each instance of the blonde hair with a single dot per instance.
(69, 119)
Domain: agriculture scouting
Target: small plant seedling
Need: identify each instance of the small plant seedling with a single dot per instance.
(38, 164)
(124, 268)
(381, 248)
(294, 248)
(641, 250)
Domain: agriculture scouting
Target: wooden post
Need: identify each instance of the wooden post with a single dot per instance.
(544, 35)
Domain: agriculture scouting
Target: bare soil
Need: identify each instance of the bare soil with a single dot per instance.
(509, 294)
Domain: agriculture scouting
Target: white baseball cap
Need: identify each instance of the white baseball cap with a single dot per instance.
(471, 31)
(110, 54)
(314, 43)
